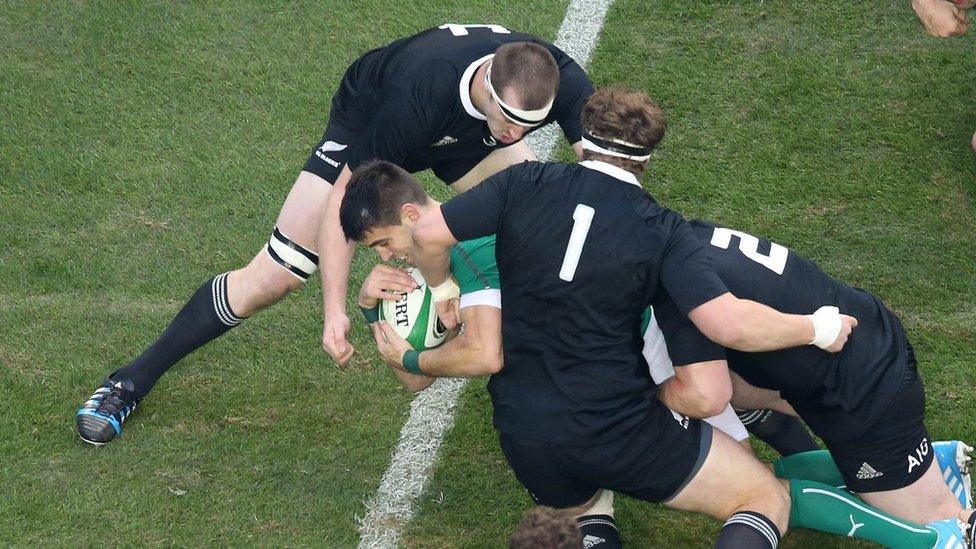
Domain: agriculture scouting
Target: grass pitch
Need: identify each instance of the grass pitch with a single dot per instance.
(147, 146)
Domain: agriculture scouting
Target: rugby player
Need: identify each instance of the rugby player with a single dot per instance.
(582, 250)
(867, 403)
(456, 99)
(382, 205)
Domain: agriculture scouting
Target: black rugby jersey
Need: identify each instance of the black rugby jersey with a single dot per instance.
(409, 102)
(832, 391)
(581, 250)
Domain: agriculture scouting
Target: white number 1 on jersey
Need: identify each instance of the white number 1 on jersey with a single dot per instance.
(582, 217)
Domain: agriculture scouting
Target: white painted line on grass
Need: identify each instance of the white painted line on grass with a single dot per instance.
(432, 412)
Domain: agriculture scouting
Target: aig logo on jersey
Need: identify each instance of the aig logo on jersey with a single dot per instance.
(915, 460)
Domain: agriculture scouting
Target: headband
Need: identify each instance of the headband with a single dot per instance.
(615, 147)
(525, 118)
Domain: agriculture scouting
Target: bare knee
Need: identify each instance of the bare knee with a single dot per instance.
(259, 285)
(771, 498)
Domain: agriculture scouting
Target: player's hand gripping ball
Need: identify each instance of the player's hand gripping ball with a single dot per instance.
(413, 318)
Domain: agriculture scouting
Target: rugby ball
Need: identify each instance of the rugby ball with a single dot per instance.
(413, 316)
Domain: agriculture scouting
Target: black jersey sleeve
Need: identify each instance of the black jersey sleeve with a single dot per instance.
(478, 212)
(574, 89)
(686, 344)
(685, 268)
(398, 128)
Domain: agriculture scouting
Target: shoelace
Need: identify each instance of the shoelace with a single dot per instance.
(114, 401)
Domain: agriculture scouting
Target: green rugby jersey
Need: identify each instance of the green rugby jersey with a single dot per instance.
(474, 269)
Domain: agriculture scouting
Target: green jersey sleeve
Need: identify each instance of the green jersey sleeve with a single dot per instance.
(473, 267)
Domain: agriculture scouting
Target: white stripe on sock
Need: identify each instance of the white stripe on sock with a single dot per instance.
(757, 524)
(865, 509)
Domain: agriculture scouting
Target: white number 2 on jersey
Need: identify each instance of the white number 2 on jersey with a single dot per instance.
(462, 30)
(582, 217)
(749, 246)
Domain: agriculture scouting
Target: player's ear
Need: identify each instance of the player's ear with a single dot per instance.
(410, 212)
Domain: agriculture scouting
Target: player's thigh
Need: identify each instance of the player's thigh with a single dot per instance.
(495, 162)
(730, 479)
(301, 214)
(928, 499)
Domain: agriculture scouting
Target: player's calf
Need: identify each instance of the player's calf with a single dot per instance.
(734, 486)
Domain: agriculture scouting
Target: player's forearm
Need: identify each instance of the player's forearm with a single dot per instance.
(463, 356)
(763, 328)
(746, 396)
(335, 252)
(749, 326)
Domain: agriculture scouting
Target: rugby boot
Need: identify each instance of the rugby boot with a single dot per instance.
(101, 417)
(955, 463)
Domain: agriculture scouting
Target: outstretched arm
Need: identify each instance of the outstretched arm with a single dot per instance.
(335, 256)
(753, 327)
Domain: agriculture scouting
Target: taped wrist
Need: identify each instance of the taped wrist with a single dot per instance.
(371, 315)
(445, 291)
(826, 326)
(411, 362)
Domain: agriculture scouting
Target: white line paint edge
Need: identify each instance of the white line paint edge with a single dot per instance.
(432, 412)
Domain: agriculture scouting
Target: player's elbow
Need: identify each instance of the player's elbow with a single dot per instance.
(714, 399)
(493, 362)
(488, 358)
(415, 384)
(704, 395)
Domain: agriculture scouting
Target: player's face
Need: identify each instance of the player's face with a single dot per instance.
(392, 243)
(503, 129)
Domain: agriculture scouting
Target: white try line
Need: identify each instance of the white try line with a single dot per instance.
(432, 412)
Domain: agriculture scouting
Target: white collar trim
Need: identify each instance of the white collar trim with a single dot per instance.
(464, 87)
(612, 171)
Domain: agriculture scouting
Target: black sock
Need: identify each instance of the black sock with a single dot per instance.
(748, 530)
(599, 532)
(205, 317)
(786, 434)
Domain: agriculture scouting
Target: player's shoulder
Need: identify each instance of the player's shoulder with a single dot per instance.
(473, 246)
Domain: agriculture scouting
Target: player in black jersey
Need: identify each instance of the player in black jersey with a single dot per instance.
(867, 403)
(581, 251)
(456, 99)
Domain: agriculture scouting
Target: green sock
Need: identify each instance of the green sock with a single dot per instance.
(822, 507)
(817, 465)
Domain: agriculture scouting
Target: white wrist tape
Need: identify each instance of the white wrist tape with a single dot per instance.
(447, 290)
(826, 326)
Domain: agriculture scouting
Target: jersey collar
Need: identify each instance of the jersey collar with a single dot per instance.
(612, 171)
(464, 87)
